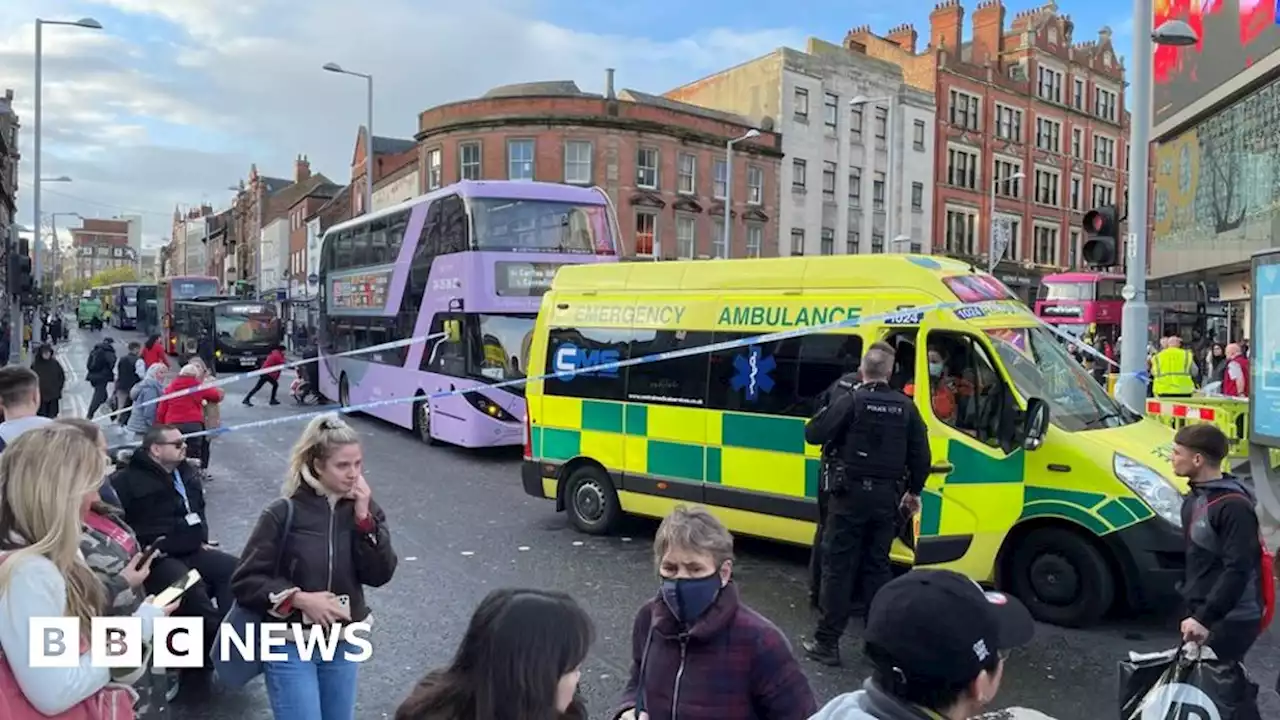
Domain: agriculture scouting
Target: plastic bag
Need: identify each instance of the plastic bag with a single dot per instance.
(1185, 684)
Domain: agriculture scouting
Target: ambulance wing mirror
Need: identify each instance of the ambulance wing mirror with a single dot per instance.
(453, 331)
(1035, 423)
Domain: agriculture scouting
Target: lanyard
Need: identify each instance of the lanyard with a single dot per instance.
(182, 489)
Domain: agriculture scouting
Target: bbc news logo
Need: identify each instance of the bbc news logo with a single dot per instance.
(179, 642)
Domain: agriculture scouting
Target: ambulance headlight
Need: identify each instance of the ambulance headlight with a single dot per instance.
(1152, 487)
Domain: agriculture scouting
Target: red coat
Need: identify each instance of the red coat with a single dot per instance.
(1230, 387)
(274, 358)
(155, 355)
(188, 408)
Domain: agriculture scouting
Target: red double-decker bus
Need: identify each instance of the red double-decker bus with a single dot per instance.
(175, 289)
(1073, 301)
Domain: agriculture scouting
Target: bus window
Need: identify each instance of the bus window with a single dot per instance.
(442, 356)
(396, 226)
(453, 215)
(343, 252)
(376, 248)
(1069, 291)
(500, 352)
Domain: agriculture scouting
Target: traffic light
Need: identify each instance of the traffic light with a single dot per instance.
(22, 281)
(1101, 228)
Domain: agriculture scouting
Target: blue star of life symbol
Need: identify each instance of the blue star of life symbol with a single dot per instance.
(753, 373)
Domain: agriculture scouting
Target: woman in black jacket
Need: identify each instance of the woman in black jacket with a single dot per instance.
(336, 543)
(52, 380)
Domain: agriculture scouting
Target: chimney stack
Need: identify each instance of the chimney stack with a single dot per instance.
(988, 33)
(608, 84)
(905, 36)
(301, 169)
(946, 25)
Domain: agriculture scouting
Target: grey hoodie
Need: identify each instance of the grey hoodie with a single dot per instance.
(872, 703)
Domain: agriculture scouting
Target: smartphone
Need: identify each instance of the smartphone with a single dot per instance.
(171, 594)
(150, 550)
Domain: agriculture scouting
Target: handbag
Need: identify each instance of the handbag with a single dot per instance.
(236, 671)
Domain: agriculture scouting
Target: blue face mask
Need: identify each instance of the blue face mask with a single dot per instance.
(935, 369)
(689, 598)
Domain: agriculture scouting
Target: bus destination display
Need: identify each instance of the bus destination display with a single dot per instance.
(521, 279)
(366, 290)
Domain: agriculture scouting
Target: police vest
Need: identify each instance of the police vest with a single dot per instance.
(1171, 368)
(875, 445)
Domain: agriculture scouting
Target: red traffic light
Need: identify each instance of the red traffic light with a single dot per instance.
(1101, 221)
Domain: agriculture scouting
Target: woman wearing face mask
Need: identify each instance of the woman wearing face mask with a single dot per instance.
(334, 517)
(520, 658)
(943, 396)
(728, 661)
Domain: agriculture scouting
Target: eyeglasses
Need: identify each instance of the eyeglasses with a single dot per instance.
(175, 443)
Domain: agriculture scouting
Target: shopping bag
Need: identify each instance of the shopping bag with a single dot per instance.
(1185, 684)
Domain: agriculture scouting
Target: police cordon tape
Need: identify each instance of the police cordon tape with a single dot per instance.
(903, 317)
(267, 371)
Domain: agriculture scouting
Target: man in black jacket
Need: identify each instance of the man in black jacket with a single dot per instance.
(129, 372)
(1223, 583)
(101, 369)
(161, 495)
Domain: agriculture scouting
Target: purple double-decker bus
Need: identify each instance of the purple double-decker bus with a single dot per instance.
(471, 262)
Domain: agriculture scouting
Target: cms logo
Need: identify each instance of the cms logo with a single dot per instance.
(1179, 701)
(571, 359)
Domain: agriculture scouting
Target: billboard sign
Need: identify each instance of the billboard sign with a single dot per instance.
(1233, 35)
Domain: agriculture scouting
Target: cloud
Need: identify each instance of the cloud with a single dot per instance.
(174, 100)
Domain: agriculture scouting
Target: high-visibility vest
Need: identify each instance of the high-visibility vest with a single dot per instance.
(1171, 371)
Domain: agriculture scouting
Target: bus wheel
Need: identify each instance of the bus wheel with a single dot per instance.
(344, 392)
(422, 420)
(1062, 578)
(592, 501)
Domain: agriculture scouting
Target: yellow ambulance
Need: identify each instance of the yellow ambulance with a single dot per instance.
(1072, 509)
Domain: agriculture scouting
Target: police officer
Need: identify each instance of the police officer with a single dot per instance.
(880, 436)
(846, 383)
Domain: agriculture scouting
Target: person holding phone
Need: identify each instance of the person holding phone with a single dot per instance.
(335, 517)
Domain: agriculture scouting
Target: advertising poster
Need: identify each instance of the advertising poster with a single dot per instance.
(1264, 395)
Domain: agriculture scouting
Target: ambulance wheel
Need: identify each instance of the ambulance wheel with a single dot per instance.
(591, 500)
(1061, 577)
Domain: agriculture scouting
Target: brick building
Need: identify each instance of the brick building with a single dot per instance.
(9, 158)
(1027, 114)
(661, 161)
(315, 195)
(101, 245)
(249, 214)
(395, 172)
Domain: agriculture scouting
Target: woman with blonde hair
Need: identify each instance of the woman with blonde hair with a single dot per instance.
(327, 511)
(49, 478)
(187, 411)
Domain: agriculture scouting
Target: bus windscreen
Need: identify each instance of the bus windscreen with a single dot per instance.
(188, 289)
(541, 226)
(245, 325)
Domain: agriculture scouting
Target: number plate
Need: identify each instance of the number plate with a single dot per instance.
(248, 361)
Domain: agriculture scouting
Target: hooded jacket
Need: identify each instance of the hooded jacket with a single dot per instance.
(102, 364)
(188, 408)
(154, 354)
(1224, 555)
(143, 416)
(273, 359)
(430, 701)
(52, 377)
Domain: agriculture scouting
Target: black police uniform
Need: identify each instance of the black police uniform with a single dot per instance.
(879, 434)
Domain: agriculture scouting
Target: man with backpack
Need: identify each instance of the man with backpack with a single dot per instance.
(101, 369)
(1229, 585)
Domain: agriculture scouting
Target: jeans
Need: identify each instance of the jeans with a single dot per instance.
(312, 689)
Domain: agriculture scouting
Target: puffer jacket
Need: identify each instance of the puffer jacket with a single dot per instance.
(326, 550)
(142, 417)
(188, 408)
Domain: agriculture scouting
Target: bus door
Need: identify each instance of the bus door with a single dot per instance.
(446, 360)
(974, 494)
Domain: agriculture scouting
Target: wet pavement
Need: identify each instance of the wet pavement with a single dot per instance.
(463, 526)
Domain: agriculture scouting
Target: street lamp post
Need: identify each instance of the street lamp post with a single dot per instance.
(1130, 390)
(89, 24)
(728, 187)
(368, 150)
(991, 234)
(863, 100)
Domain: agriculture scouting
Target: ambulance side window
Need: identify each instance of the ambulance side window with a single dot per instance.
(680, 381)
(573, 349)
(971, 387)
(788, 375)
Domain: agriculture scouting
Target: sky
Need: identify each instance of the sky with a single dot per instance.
(173, 101)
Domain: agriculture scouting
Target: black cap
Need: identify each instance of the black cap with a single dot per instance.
(940, 625)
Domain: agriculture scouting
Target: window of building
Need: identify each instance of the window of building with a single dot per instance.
(577, 162)
(1005, 183)
(1049, 135)
(1128, 153)
(755, 239)
(520, 160)
(855, 123)
(1077, 192)
(1049, 86)
(852, 242)
(721, 182)
(686, 235)
(1105, 104)
(917, 196)
(1077, 143)
(802, 105)
(798, 170)
(828, 241)
(829, 181)
(755, 185)
(882, 123)
(877, 241)
(1047, 184)
(961, 231)
(646, 232)
(469, 161)
(1074, 250)
(719, 243)
(831, 110)
(855, 186)
(1045, 246)
(1103, 194)
(877, 190)
(1077, 97)
(687, 174)
(962, 167)
(797, 241)
(647, 168)
(435, 168)
(1104, 151)
(917, 135)
(1008, 123)
(964, 110)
